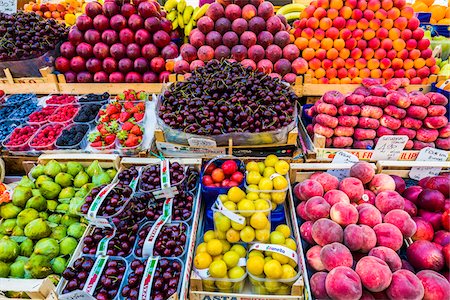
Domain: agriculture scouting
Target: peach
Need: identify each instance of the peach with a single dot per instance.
(354, 99)
(354, 237)
(363, 171)
(409, 145)
(343, 131)
(351, 44)
(436, 98)
(330, 73)
(343, 283)
(401, 23)
(376, 101)
(367, 54)
(386, 44)
(410, 208)
(371, 111)
(332, 13)
(417, 112)
(411, 123)
(325, 108)
(356, 54)
(328, 181)
(308, 189)
(402, 220)
(344, 214)
(306, 231)
(366, 144)
(352, 187)
(299, 65)
(374, 273)
(348, 121)
(339, 63)
(314, 64)
(390, 122)
(317, 208)
(444, 132)
(307, 33)
(427, 135)
(435, 122)
(381, 183)
(351, 24)
(382, 131)
(398, 100)
(369, 215)
(419, 99)
(443, 143)
(405, 285)
(389, 256)
(336, 196)
(435, 285)
(339, 23)
(389, 236)
(335, 255)
(406, 131)
(368, 197)
(325, 231)
(365, 134)
(395, 112)
(317, 284)
(326, 120)
(313, 258)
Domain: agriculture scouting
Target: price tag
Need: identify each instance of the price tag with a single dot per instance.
(149, 243)
(441, 2)
(203, 273)
(276, 248)
(186, 151)
(145, 289)
(389, 147)
(94, 275)
(102, 247)
(201, 142)
(428, 154)
(343, 157)
(228, 213)
(76, 295)
(8, 6)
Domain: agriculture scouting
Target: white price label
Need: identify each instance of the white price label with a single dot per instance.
(277, 249)
(428, 154)
(76, 295)
(201, 142)
(343, 157)
(389, 147)
(8, 6)
(228, 213)
(441, 2)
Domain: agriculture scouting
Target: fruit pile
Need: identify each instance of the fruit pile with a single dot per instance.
(224, 262)
(347, 41)
(27, 35)
(118, 43)
(72, 136)
(45, 137)
(63, 11)
(60, 99)
(77, 274)
(6, 127)
(64, 113)
(181, 207)
(266, 179)
(363, 219)
(359, 119)
(18, 140)
(183, 16)
(43, 211)
(41, 116)
(24, 111)
(440, 14)
(224, 175)
(248, 219)
(269, 104)
(171, 241)
(87, 113)
(249, 33)
(150, 179)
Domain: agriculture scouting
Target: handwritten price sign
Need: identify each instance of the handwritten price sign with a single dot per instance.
(389, 147)
(343, 157)
(8, 6)
(428, 154)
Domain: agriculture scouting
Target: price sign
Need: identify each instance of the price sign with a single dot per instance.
(346, 158)
(201, 142)
(8, 6)
(76, 295)
(389, 147)
(441, 2)
(428, 154)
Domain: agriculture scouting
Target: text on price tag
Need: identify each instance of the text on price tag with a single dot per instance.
(343, 157)
(428, 154)
(389, 147)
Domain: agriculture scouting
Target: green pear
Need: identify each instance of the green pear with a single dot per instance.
(63, 167)
(37, 229)
(41, 179)
(101, 178)
(67, 193)
(93, 167)
(76, 230)
(54, 218)
(64, 179)
(67, 245)
(26, 216)
(73, 168)
(26, 248)
(52, 168)
(4, 270)
(82, 192)
(17, 231)
(67, 220)
(26, 182)
(20, 195)
(48, 247)
(59, 232)
(50, 190)
(17, 269)
(81, 179)
(36, 192)
(59, 264)
(37, 171)
(39, 266)
(38, 203)
(7, 226)
(75, 206)
(9, 211)
(9, 249)
(62, 208)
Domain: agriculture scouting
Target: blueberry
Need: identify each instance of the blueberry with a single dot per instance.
(19, 98)
(24, 110)
(6, 127)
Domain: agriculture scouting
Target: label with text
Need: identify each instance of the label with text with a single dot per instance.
(389, 147)
(343, 157)
(8, 6)
(228, 213)
(277, 249)
(428, 154)
(94, 275)
(145, 289)
(201, 142)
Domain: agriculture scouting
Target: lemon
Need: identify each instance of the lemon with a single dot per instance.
(281, 167)
(277, 237)
(262, 235)
(265, 196)
(237, 226)
(255, 253)
(258, 220)
(209, 235)
(272, 269)
(239, 249)
(214, 247)
(218, 269)
(253, 177)
(202, 260)
(224, 285)
(283, 290)
(261, 167)
(222, 223)
(260, 290)
(246, 207)
(232, 236)
(223, 198)
(201, 248)
(265, 184)
(280, 183)
(231, 258)
(230, 205)
(252, 196)
(288, 272)
(235, 194)
(252, 166)
(268, 172)
(284, 229)
(267, 258)
(247, 234)
(225, 246)
(281, 258)
(272, 286)
(274, 205)
(236, 272)
(271, 160)
(218, 257)
(255, 265)
(221, 235)
(291, 244)
(278, 197)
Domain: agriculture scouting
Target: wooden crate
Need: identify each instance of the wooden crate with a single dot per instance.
(34, 288)
(47, 84)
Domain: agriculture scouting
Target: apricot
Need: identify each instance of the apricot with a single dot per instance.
(389, 236)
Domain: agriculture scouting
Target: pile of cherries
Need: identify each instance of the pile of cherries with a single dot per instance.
(170, 242)
(182, 205)
(126, 176)
(77, 274)
(151, 177)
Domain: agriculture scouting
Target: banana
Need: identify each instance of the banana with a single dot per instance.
(292, 16)
(289, 8)
(172, 15)
(188, 28)
(175, 24)
(180, 20)
(181, 6)
(200, 12)
(187, 14)
(170, 4)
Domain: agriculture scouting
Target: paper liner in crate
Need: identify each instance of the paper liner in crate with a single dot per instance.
(177, 136)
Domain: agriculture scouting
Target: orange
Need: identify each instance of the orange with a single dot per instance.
(438, 12)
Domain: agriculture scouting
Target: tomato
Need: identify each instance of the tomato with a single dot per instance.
(218, 175)
(207, 180)
(232, 183)
(237, 177)
(225, 182)
(210, 168)
(229, 167)
(446, 219)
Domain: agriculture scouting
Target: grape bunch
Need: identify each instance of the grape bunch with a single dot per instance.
(225, 97)
(26, 35)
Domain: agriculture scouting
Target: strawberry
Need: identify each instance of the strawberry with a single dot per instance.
(97, 144)
(127, 126)
(109, 139)
(104, 118)
(94, 137)
(122, 135)
(128, 105)
(140, 106)
(136, 130)
(132, 141)
(124, 116)
(112, 109)
(138, 116)
(113, 126)
(114, 116)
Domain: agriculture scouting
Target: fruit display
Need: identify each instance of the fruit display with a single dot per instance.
(357, 120)
(440, 14)
(347, 41)
(269, 105)
(118, 43)
(183, 16)
(355, 228)
(226, 174)
(26, 35)
(150, 179)
(62, 11)
(250, 33)
(291, 11)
